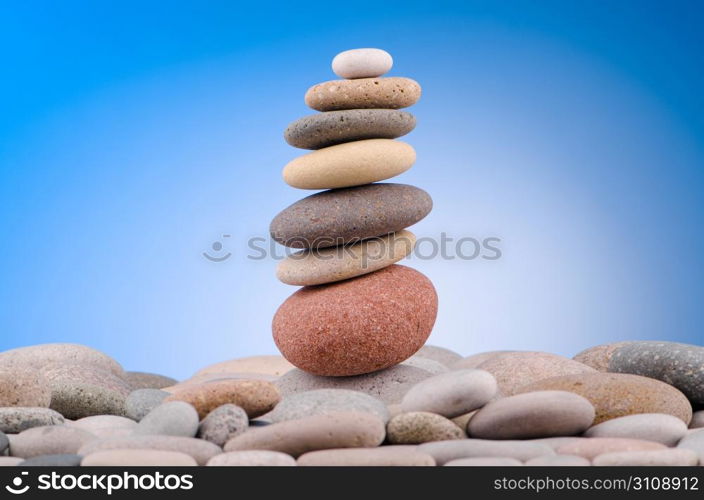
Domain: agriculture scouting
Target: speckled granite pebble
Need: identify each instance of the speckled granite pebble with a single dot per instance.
(598, 357)
(322, 401)
(359, 325)
(175, 418)
(343, 216)
(14, 420)
(619, 394)
(421, 427)
(322, 130)
(680, 365)
(38, 356)
(23, 387)
(142, 401)
(388, 385)
(387, 93)
(142, 380)
(223, 423)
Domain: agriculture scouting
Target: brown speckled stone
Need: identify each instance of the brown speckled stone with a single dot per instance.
(388, 93)
(23, 388)
(419, 427)
(359, 325)
(515, 369)
(336, 127)
(342, 216)
(256, 397)
(598, 357)
(617, 394)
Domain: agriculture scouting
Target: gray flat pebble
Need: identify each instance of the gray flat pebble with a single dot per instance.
(224, 423)
(427, 364)
(59, 460)
(4, 442)
(175, 418)
(322, 401)
(14, 420)
(142, 401)
(440, 354)
(143, 380)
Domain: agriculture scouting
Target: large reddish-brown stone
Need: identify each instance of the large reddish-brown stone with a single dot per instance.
(359, 325)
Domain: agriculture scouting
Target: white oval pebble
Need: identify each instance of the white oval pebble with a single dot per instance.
(362, 63)
(659, 427)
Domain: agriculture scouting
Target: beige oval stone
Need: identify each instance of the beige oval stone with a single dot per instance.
(658, 427)
(484, 462)
(515, 369)
(326, 265)
(444, 451)
(442, 355)
(598, 357)
(39, 356)
(388, 93)
(254, 458)
(138, 458)
(619, 394)
(451, 394)
(269, 365)
(674, 457)
(474, 360)
(200, 450)
(593, 447)
(318, 432)
(23, 388)
(350, 164)
(558, 461)
(10, 461)
(533, 415)
(694, 440)
(105, 426)
(385, 456)
(256, 397)
(362, 63)
(49, 440)
(421, 427)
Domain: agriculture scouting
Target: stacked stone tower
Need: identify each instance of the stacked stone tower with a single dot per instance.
(358, 311)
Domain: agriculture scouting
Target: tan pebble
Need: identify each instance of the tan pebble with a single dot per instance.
(670, 457)
(592, 447)
(106, 426)
(484, 462)
(256, 397)
(49, 440)
(138, 458)
(440, 354)
(474, 360)
(200, 450)
(421, 427)
(387, 93)
(23, 388)
(326, 265)
(384, 456)
(269, 365)
(598, 357)
(318, 432)
(254, 458)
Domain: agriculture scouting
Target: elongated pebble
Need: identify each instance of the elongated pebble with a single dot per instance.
(592, 447)
(386, 93)
(385, 456)
(669, 457)
(253, 458)
(484, 462)
(558, 461)
(200, 450)
(14, 420)
(138, 458)
(658, 427)
(444, 451)
(51, 440)
(421, 427)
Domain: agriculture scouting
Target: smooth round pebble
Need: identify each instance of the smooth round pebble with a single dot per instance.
(593, 447)
(362, 63)
(20, 387)
(267, 365)
(323, 401)
(223, 423)
(138, 458)
(140, 402)
(200, 450)
(253, 458)
(474, 360)
(175, 418)
(348, 215)
(697, 421)
(619, 394)
(445, 451)
(351, 342)
(322, 130)
(598, 357)
(451, 394)
(385, 456)
(484, 462)
(105, 426)
(326, 265)
(671, 457)
(37, 357)
(256, 397)
(350, 164)
(10, 461)
(318, 432)
(50, 440)
(421, 427)
(659, 427)
(440, 354)
(387, 385)
(694, 440)
(386, 93)
(558, 461)
(426, 364)
(143, 380)
(14, 420)
(533, 415)
(679, 365)
(515, 369)
(57, 460)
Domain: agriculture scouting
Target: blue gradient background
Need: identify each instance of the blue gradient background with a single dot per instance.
(132, 136)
